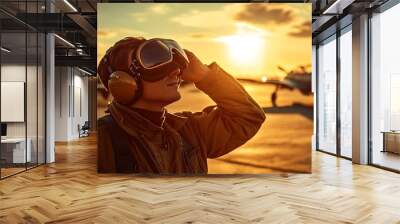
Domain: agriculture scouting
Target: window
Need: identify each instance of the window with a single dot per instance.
(327, 95)
(385, 89)
(346, 92)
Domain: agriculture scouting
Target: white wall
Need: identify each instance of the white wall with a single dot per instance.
(61, 103)
(71, 93)
(81, 100)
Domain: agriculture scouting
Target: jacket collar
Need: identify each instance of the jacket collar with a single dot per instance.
(135, 124)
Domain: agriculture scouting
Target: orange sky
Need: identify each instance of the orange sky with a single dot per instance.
(246, 39)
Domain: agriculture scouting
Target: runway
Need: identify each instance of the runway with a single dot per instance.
(283, 144)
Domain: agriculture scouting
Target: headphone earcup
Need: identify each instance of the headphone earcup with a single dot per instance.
(123, 87)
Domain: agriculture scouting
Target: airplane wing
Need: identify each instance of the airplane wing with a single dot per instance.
(281, 83)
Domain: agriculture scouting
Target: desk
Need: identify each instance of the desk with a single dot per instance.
(391, 141)
(13, 150)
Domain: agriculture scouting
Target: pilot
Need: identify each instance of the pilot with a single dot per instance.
(138, 134)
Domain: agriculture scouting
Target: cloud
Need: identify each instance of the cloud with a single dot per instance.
(139, 16)
(302, 30)
(142, 16)
(101, 49)
(124, 32)
(118, 33)
(190, 37)
(204, 19)
(160, 9)
(104, 33)
(263, 14)
(106, 37)
(244, 29)
(198, 35)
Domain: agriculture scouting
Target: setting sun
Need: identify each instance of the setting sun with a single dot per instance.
(245, 47)
(264, 78)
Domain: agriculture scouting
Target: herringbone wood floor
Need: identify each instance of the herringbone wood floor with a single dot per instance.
(70, 191)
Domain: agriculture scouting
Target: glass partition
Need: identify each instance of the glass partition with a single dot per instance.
(41, 96)
(13, 99)
(31, 97)
(22, 91)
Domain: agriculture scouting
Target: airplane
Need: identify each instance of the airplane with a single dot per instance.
(299, 78)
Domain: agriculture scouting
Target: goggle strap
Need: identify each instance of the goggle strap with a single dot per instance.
(109, 69)
(133, 67)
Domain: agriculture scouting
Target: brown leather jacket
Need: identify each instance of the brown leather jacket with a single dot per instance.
(129, 143)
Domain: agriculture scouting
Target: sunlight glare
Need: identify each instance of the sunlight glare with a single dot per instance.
(264, 78)
(245, 47)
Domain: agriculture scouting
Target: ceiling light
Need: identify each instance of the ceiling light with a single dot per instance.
(84, 71)
(70, 5)
(337, 7)
(5, 50)
(64, 40)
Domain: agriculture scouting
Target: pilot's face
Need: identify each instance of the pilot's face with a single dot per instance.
(164, 91)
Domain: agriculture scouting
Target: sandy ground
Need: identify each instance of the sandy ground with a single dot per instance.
(283, 144)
